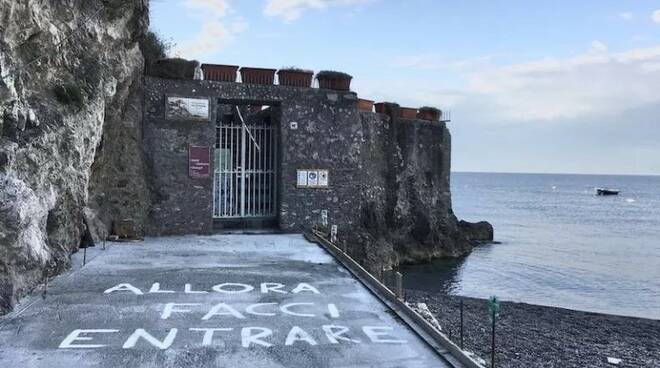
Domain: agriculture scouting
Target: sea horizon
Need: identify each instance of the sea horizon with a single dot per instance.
(549, 173)
(557, 243)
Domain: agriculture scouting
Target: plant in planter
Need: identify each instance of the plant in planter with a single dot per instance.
(338, 81)
(257, 75)
(295, 77)
(365, 105)
(408, 113)
(429, 113)
(174, 68)
(221, 73)
(385, 107)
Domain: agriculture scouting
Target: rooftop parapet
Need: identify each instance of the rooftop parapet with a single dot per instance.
(291, 77)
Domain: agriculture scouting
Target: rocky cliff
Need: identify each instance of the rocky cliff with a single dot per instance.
(407, 214)
(69, 118)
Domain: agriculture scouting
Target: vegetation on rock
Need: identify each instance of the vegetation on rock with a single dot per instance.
(154, 48)
(69, 94)
(113, 8)
(175, 68)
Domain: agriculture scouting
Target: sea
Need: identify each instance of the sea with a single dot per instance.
(557, 243)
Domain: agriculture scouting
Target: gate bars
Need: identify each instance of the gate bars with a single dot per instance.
(245, 184)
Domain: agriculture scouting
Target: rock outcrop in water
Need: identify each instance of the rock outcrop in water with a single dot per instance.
(477, 231)
(69, 108)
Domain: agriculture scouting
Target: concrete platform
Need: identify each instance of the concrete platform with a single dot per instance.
(209, 301)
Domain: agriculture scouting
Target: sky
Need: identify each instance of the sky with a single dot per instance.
(533, 86)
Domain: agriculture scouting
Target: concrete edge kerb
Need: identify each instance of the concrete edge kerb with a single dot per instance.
(434, 338)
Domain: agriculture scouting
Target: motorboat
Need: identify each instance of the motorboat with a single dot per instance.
(607, 191)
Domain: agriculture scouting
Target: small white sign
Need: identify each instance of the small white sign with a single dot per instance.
(302, 178)
(323, 178)
(312, 178)
(324, 217)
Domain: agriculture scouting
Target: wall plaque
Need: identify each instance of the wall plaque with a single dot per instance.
(313, 178)
(323, 178)
(180, 108)
(302, 178)
(199, 162)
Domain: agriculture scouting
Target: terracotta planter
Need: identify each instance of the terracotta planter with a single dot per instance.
(221, 73)
(257, 76)
(365, 105)
(408, 113)
(295, 78)
(382, 107)
(334, 80)
(429, 114)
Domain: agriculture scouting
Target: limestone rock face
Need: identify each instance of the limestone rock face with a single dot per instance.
(68, 75)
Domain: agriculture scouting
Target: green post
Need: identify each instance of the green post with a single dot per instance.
(494, 309)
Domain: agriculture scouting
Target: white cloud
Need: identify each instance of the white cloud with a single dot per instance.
(213, 37)
(239, 25)
(593, 84)
(217, 31)
(219, 8)
(626, 16)
(656, 16)
(436, 61)
(290, 10)
(598, 47)
(590, 84)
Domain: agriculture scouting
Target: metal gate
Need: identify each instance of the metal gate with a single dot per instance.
(245, 177)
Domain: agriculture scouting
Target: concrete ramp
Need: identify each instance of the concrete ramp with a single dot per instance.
(244, 301)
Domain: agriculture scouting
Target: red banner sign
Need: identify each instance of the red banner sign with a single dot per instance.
(199, 162)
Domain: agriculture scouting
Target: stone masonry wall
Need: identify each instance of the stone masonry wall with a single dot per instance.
(389, 178)
(328, 135)
(180, 204)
